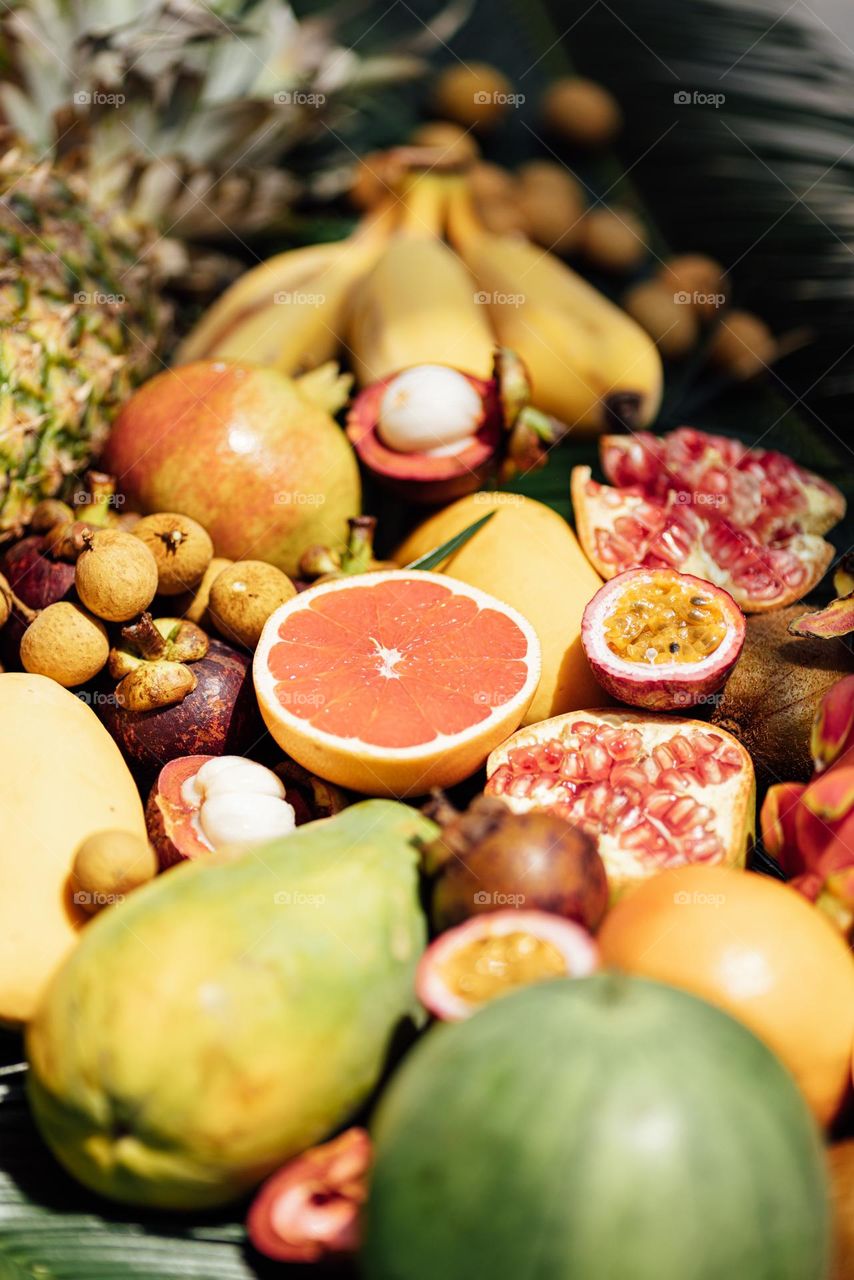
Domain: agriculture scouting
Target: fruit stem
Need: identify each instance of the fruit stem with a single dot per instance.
(423, 205)
(358, 554)
(145, 638)
(101, 493)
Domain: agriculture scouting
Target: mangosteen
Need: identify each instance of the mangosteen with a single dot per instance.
(218, 716)
(38, 579)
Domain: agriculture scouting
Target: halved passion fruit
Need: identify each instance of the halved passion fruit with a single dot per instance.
(491, 955)
(655, 791)
(309, 1210)
(747, 520)
(660, 639)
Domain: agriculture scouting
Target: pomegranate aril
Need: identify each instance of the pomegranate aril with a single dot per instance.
(663, 756)
(682, 749)
(672, 780)
(597, 762)
(709, 770)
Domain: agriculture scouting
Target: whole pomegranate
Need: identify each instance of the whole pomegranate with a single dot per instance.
(490, 858)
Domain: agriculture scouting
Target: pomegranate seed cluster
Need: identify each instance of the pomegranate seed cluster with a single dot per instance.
(606, 781)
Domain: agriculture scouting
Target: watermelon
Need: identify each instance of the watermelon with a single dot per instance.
(605, 1128)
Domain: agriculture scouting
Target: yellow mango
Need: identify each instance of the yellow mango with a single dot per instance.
(528, 557)
(61, 779)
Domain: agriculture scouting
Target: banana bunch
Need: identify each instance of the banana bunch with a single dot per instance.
(395, 293)
(288, 311)
(591, 365)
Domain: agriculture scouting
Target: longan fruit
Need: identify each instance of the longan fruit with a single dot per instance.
(242, 598)
(66, 644)
(108, 865)
(672, 326)
(489, 181)
(502, 217)
(473, 93)
(582, 111)
(196, 607)
(613, 239)
(457, 146)
(182, 548)
(742, 345)
(115, 575)
(553, 203)
(698, 276)
(376, 176)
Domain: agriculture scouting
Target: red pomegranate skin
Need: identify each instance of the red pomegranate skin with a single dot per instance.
(37, 580)
(220, 717)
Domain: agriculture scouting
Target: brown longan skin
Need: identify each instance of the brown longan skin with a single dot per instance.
(182, 548)
(742, 345)
(243, 597)
(581, 111)
(66, 644)
(673, 326)
(458, 89)
(613, 239)
(108, 865)
(456, 145)
(116, 575)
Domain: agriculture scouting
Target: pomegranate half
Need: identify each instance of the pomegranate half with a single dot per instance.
(749, 520)
(491, 955)
(660, 639)
(654, 791)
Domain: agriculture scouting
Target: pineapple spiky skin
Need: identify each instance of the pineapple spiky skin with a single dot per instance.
(82, 321)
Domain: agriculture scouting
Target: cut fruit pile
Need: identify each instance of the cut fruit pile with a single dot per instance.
(749, 520)
(395, 682)
(660, 639)
(657, 791)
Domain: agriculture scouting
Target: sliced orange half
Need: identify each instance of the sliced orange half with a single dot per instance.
(394, 682)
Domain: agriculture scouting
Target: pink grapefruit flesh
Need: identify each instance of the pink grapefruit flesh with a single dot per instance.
(394, 682)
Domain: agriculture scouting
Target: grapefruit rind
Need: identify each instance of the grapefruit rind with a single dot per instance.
(392, 770)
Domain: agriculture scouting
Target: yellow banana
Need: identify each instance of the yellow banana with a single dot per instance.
(418, 305)
(288, 312)
(590, 364)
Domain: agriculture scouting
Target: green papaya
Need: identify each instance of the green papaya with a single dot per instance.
(227, 1016)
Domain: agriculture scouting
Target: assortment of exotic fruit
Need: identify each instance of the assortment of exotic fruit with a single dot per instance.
(286, 783)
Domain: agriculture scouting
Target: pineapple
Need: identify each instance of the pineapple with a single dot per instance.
(133, 127)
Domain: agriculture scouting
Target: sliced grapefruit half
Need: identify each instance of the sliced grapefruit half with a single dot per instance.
(394, 682)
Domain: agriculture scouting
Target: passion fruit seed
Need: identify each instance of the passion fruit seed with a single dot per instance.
(116, 574)
(429, 409)
(488, 966)
(243, 597)
(181, 547)
(108, 865)
(66, 644)
(657, 622)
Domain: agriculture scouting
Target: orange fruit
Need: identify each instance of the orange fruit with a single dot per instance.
(394, 682)
(759, 950)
